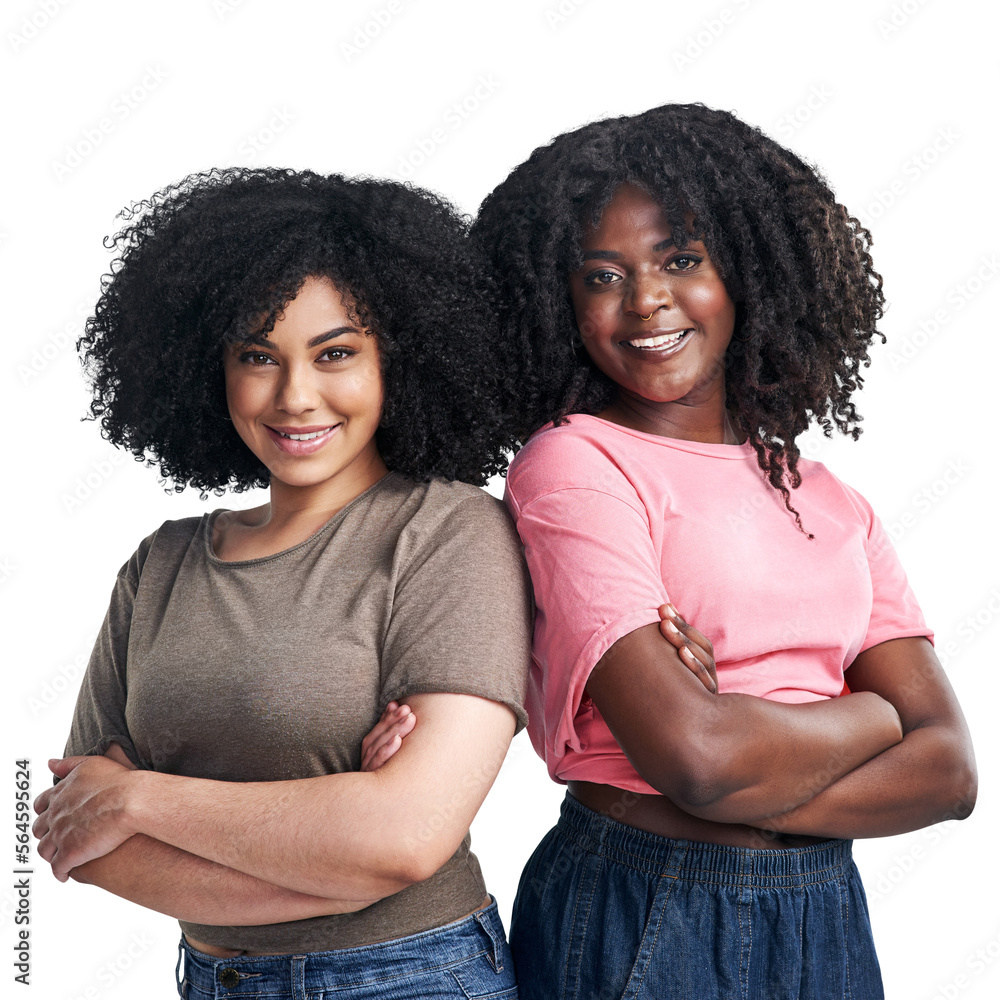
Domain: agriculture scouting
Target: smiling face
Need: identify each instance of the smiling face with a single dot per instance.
(306, 398)
(656, 320)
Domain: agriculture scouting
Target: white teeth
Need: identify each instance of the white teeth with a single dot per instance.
(305, 437)
(652, 342)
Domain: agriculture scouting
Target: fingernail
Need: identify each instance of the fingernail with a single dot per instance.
(673, 628)
(673, 611)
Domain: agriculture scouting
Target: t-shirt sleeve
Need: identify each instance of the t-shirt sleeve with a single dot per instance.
(461, 613)
(596, 577)
(895, 611)
(99, 716)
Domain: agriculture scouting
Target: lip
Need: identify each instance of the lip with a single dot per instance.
(658, 353)
(291, 447)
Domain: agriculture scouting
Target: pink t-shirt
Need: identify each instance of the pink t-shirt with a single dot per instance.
(615, 522)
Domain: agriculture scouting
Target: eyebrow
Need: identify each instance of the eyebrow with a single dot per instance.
(614, 255)
(322, 338)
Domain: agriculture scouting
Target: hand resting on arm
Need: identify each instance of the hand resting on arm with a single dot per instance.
(928, 777)
(730, 758)
(185, 885)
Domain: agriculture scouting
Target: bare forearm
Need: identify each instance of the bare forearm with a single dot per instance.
(185, 886)
(303, 833)
(768, 756)
(929, 777)
(353, 836)
(730, 758)
(926, 779)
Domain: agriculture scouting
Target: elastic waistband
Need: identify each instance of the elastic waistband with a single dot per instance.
(744, 867)
(314, 972)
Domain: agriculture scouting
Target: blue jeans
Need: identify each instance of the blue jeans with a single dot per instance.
(608, 911)
(465, 959)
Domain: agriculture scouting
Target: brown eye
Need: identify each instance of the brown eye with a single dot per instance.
(336, 354)
(601, 278)
(685, 263)
(255, 358)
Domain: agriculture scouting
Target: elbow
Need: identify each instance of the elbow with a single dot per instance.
(962, 788)
(956, 780)
(419, 860)
(694, 778)
(409, 861)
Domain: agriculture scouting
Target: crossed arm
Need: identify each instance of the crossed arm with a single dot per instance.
(266, 852)
(893, 756)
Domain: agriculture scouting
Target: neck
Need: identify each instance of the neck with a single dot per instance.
(290, 505)
(706, 421)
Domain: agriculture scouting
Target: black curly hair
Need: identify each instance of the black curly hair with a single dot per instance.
(793, 260)
(202, 261)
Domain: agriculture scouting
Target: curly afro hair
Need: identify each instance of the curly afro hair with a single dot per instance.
(793, 260)
(200, 263)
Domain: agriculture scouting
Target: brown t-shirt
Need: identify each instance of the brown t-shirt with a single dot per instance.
(276, 668)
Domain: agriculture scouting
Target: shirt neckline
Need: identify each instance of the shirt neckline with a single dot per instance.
(208, 520)
(737, 452)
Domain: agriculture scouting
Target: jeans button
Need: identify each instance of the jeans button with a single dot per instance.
(229, 978)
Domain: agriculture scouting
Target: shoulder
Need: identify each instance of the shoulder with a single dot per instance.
(583, 453)
(457, 538)
(829, 490)
(439, 510)
(169, 540)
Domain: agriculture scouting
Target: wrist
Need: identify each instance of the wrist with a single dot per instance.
(135, 796)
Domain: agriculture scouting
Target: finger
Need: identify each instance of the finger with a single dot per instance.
(384, 752)
(687, 629)
(679, 632)
(46, 849)
(388, 747)
(61, 766)
(699, 662)
(705, 672)
(670, 632)
(59, 868)
(41, 802)
(384, 726)
(398, 729)
(704, 650)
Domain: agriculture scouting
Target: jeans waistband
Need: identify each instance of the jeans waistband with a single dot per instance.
(384, 962)
(744, 867)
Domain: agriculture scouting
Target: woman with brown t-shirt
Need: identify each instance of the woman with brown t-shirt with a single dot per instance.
(329, 339)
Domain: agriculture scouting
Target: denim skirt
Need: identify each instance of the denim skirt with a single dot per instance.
(605, 911)
(465, 959)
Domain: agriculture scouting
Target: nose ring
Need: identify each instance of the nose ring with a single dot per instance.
(646, 318)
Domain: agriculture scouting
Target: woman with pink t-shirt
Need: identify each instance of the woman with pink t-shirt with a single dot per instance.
(682, 298)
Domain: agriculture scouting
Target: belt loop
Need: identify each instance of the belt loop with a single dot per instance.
(483, 919)
(299, 978)
(181, 987)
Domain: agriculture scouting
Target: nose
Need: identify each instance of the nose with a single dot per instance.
(297, 391)
(648, 293)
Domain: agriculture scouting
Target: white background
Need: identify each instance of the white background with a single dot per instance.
(896, 102)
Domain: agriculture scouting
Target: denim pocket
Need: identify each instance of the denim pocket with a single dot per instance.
(585, 926)
(478, 979)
